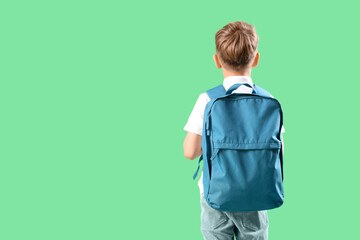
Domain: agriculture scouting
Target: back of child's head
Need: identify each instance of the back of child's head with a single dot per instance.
(236, 45)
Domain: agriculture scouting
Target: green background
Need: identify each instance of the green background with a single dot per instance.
(95, 95)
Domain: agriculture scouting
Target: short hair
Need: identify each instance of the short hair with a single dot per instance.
(236, 45)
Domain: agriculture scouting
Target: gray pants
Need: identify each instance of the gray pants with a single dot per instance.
(219, 225)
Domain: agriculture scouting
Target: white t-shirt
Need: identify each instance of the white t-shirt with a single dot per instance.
(195, 120)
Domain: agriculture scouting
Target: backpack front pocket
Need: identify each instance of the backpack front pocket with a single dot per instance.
(245, 179)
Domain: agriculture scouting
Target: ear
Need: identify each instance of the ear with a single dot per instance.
(216, 60)
(256, 60)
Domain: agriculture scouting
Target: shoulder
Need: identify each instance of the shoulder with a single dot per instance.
(204, 97)
(201, 102)
(262, 91)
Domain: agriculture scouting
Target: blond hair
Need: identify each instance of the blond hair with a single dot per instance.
(236, 45)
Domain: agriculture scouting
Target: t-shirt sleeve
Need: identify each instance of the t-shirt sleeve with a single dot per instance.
(194, 123)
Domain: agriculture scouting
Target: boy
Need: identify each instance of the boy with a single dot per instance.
(236, 54)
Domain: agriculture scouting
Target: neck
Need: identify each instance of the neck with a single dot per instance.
(227, 73)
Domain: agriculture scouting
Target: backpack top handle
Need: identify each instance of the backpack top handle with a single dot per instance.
(235, 86)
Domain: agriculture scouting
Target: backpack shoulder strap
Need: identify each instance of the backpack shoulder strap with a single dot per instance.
(216, 91)
(212, 93)
(261, 91)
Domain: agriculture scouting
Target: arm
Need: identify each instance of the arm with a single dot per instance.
(192, 145)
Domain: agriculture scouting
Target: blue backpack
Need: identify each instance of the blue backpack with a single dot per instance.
(242, 150)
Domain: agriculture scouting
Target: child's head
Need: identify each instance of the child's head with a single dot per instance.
(236, 47)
